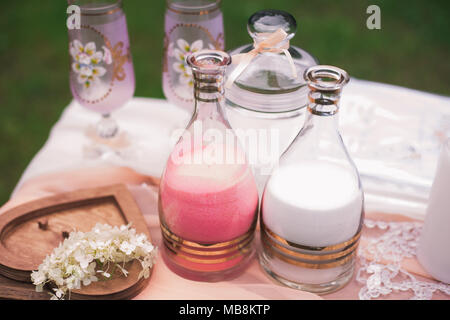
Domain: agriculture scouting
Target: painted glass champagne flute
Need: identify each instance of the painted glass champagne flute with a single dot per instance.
(190, 26)
(101, 69)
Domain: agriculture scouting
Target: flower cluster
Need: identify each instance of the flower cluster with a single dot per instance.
(87, 62)
(82, 257)
(184, 50)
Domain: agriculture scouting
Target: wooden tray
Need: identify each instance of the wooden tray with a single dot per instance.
(29, 232)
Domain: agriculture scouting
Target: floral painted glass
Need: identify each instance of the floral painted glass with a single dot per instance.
(190, 26)
(102, 74)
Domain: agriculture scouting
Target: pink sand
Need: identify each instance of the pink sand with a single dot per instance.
(208, 203)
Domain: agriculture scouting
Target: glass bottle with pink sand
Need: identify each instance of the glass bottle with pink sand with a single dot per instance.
(208, 200)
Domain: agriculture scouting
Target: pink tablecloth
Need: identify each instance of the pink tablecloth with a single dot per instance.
(392, 133)
(164, 284)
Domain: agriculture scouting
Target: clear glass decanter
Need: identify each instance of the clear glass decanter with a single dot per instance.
(208, 200)
(266, 98)
(312, 208)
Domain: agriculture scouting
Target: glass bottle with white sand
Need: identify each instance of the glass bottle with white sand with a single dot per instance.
(313, 204)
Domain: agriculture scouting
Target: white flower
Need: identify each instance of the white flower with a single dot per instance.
(38, 277)
(180, 67)
(186, 79)
(88, 280)
(127, 247)
(76, 48)
(74, 262)
(98, 71)
(184, 49)
(89, 49)
(84, 58)
(59, 293)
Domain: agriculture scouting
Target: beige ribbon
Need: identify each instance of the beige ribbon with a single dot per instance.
(267, 45)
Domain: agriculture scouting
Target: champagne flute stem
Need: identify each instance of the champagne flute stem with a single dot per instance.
(107, 127)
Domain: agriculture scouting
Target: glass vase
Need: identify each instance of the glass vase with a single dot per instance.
(208, 200)
(313, 204)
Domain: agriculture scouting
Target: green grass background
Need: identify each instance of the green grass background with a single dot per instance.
(411, 49)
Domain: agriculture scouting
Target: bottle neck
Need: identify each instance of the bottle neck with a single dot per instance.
(324, 124)
(261, 37)
(322, 111)
(208, 95)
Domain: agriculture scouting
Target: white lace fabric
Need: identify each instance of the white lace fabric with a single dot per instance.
(382, 274)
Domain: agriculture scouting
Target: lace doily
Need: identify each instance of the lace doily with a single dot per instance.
(398, 241)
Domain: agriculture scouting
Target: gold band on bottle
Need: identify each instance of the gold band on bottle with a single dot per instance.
(208, 261)
(171, 236)
(335, 247)
(240, 250)
(306, 256)
(208, 254)
(208, 88)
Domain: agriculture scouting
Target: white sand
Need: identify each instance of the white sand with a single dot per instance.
(313, 203)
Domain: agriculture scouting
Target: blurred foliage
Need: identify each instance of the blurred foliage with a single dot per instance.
(410, 50)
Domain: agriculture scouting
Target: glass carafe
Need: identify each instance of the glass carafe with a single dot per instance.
(313, 205)
(268, 99)
(208, 198)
